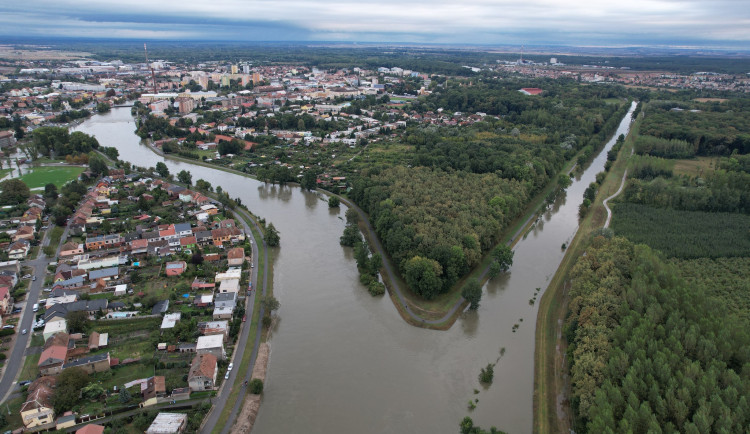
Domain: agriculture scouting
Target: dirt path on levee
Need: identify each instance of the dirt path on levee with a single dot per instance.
(250, 407)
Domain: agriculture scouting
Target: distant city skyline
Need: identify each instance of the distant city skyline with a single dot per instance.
(672, 23)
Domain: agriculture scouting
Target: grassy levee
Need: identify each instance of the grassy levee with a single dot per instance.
(549, 379)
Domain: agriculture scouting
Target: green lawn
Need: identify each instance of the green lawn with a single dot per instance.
(41, 176)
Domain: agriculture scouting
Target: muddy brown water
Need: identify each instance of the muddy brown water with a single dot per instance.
(345, 362)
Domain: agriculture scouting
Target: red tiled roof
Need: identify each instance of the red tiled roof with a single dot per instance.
(57, 352)
(91, 429)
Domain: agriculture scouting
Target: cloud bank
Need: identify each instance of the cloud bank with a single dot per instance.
(586, 22)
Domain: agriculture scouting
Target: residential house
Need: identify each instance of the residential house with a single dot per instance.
(213, 344)
(19, 249)
(104, 274)
(6, 302)
(91, 429)
(160, 307)
(103, 242)
(214, 328)
(228, 299)
(168, 423)
(54, 356)
(222, 312)
(203, 371)
(220, 236)
(199, 284)
(183, 230)
(170, 320)
(175, 268)
(87, 263)
(54, 327)
(159, 248)
(91, 307)
(71, 248)
(229, 285)
(73, 282)
(188, 242)
(139, 246)
(98, 341)
(23, 233)
(38, 412)
(204, 300)
(236, 257)
(155, 387)
(67, 420)
(204, 238)
(91, 364)
(230, 274)
(12, 266)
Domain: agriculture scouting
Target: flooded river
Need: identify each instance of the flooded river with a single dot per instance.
(345, 362)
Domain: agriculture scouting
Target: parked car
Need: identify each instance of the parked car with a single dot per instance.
(229, 368)
(33, 279)
(9, 326)
(226, 377)
(244, 318)
(47, 290)
(24, 382)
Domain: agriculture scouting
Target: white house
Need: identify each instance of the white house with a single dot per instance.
(212, 344)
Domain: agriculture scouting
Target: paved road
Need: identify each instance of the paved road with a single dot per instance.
(220, 401)
(14, 363)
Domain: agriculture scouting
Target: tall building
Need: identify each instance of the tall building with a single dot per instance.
(186, 105)
(203, 81)
(234, 69)
(257, 78)
(246, 69)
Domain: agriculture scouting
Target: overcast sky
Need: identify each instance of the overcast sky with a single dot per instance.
(709, 23)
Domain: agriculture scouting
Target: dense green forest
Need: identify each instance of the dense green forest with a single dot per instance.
(712, 129)
(650, 352)
(726, 279)
(446, 198)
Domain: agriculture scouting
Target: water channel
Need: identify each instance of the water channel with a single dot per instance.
(345, 362)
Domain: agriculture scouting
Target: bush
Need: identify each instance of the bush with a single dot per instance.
(256, 386)
(376, 288)
(333, 202)
(487, 374)
(6, 332)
